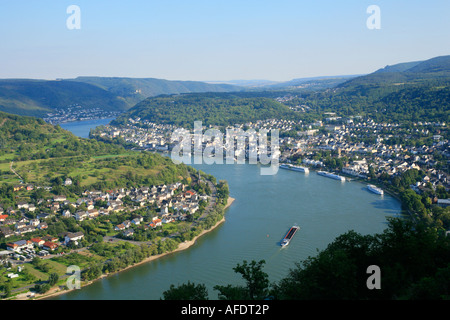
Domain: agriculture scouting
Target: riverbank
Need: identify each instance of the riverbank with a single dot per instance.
(182, 246)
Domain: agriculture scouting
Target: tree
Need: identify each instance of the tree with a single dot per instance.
(53, 279)
(257, 283)
(188, 291)
(7, 288)
(414, 262)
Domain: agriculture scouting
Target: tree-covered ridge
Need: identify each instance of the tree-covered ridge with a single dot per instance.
(134, 90)
(34, 152)
(39, 97)
(221, 109)
(406, 92)
(28, 138)
(42, 154)
(411, 92)
(437, 68)
(394, 103)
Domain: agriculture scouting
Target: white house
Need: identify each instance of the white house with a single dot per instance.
(66, 214)
(34, 222)
(19, 245)
(81, 215)
(73, 237)
(22, 205)
(59, 198)
(137, 221)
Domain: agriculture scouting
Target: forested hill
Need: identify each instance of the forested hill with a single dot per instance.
(435, 70)
(415, 91)
(134, 90)
(28, 138)
(221, 109)
(44, 154)
(38, 97)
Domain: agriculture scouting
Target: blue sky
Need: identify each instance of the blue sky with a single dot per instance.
(217, 39)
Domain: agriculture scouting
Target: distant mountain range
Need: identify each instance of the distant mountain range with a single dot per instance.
(307, 82)
(39, 97)
(413, 91)
(134, 90)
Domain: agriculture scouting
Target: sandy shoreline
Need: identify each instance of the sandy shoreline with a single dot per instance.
(182, 246)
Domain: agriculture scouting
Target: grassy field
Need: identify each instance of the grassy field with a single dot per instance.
(89, 170)
(30, 274)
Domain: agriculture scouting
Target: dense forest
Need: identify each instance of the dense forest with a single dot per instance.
(221, 109)
(39, 97)
(134, 90)
(383, 103)
(406, 92)
(399, 103)
(28, 138)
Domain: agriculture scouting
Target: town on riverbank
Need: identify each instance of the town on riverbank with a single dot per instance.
(408, 160)
(101, 231)
(354, 146)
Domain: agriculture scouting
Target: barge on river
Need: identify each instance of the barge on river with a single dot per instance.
(289, 235)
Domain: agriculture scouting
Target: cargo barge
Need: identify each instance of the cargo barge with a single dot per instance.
(289, 235)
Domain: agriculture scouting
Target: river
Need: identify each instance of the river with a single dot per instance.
(82, 128)
(265, 208)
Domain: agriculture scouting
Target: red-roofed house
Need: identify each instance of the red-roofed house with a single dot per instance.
(38, 242)
(19, 245)
(3, 217)
(155, 223)
(120, 227)
(48, 245)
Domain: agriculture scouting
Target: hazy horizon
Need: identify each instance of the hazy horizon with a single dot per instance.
(206, 81)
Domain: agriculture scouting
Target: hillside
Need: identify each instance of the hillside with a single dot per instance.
(28, 138)
(399, 67)
(219, 109)
(420, 72)
(414, 91)
(312, 83)
(410, 91)
(41, 153)
(134, 90)
(39, 97)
